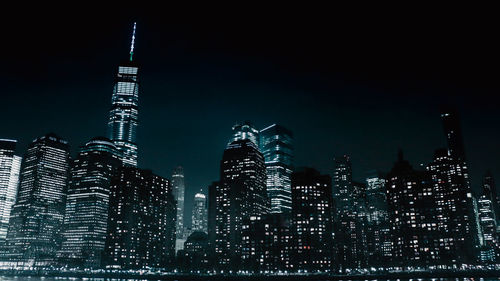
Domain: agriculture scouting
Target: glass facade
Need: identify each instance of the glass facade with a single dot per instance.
(276, 144)
(179, 191)
(10, 166)
(123, 115)
(244, 131)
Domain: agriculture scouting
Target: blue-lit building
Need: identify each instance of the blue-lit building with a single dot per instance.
(276, 144)
(245, 131)
(86, 219)
(123, 115)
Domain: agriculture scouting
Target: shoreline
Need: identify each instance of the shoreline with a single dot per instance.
(180, 276)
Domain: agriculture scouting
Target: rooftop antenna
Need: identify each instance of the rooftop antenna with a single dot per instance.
(133, 43)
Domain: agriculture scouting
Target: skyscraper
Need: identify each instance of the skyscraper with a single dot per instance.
(123, 115)
(488, 225)
(200, 215)
(276, 144)
(311, 221)
(490, 191)
(10, 165)
(350, 216)
(241, 194)
(412, 213)
(141, 221)
(178, 188)
(37, 216)
(86, 219)
(245, 131)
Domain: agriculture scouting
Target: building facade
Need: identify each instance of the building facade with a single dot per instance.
(37, 216)
(276, 144)
(179, 190)
(199, 218)
(312, 226)
(141, 221)
(10, 166)
(86, 219)
(241, 194)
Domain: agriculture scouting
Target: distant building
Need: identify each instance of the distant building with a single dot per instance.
(311, 221)
(10, 166)
(240, 195)
(276, 144)
(379, 241)
(200, 217)
(489, 190)
(179, 189)
(123, 115)
(37, 216)
(86, 219)
(488, 224)
(141, 221)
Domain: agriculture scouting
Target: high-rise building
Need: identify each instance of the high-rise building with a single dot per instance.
(213, 214)
(245, 131)
(37, 216)
(378, 226)
(453, 196)
(240, 195)
(488, 224)
(199, 218)
(141, 221)
(194, 257)
(86, 219)
(10, 166)
(266, 243)
(179, 189)
(276, 144)
(123, 115)
(412, 213)
(311, 221)
(350, 216)
(490, 191)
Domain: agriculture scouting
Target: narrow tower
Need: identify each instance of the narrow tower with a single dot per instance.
(123, 115)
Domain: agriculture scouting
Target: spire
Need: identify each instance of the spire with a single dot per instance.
(133, 43)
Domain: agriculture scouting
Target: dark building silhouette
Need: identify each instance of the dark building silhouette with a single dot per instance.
(412, 214)
(194, 257)
(240, 195)
(141, 221)
(350, 217)
(33, 237)
(266, 243)
(86, 219)
(311, 221)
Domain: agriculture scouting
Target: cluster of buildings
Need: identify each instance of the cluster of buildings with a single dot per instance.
(99, 210)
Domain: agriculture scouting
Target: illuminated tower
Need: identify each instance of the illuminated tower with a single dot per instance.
(123, 115)
(86, 218)
(178, 190)
(36, 218)
(276, 144)
(10, 165)
(199, 218)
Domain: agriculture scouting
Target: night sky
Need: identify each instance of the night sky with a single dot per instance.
(358, 85)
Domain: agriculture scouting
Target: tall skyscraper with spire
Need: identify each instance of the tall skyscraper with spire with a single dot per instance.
(123, 115)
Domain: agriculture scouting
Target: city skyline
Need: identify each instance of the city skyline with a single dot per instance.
(194, 71)
(314, 174)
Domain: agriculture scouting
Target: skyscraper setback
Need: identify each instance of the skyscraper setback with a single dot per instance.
(10, 165)
(123, 115)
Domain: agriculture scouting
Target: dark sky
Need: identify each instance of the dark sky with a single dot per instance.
(363, 84)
